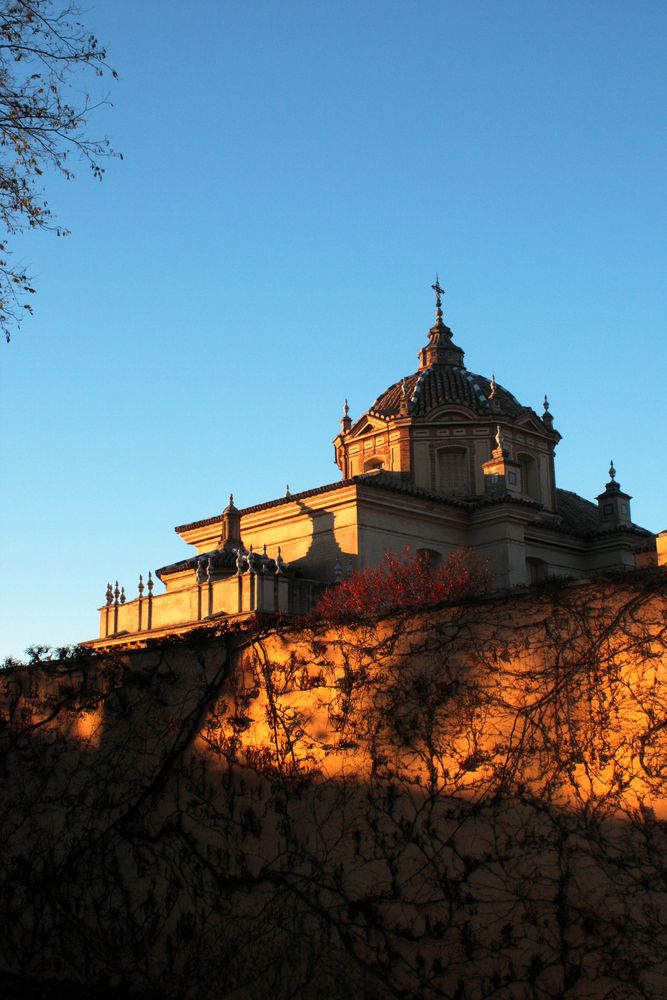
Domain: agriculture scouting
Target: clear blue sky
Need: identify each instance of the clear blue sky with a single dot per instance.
(295, 173)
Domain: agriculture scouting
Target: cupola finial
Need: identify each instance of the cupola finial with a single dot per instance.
(346, 422)
(613, 503)
(547, 417)
(439, 292)
(230, 525)
(440, 350)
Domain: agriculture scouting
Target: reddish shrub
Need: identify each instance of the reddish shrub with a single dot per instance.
(408, 582)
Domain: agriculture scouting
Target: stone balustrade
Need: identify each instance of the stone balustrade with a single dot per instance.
(244, 593)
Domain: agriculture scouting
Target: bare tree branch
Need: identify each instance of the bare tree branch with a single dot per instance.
(44, 48)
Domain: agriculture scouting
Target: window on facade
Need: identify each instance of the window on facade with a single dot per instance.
(608, 508)
(453, 471)
(373, 465)
(529, 476)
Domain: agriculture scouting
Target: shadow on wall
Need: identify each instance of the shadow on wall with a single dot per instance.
(324, 553)
(456, 803)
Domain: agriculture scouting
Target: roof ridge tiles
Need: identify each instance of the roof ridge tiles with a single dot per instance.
(391, 482)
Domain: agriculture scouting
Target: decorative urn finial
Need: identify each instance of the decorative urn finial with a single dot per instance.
(346, 422)
(404, 402)
(547, 418)
(612, 470)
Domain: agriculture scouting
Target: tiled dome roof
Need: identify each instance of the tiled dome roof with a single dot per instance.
(438, 384)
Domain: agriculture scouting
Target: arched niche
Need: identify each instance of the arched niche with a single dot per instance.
(529, 477)
(429, 558)
(537, 569)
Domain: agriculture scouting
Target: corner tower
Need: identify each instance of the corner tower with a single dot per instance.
(437, 428)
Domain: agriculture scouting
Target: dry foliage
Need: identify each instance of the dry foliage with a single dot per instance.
(410, 582)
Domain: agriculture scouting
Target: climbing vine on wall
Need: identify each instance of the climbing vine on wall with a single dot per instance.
(461, 801)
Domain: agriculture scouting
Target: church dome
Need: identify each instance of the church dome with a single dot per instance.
(441, 421)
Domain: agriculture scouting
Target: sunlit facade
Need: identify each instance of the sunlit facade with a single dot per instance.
(443, 459)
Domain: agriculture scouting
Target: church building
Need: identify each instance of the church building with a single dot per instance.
(443, 459)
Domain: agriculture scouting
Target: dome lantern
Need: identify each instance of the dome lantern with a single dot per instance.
(440, 350)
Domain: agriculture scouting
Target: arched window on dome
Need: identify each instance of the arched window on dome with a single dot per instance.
(529, 482)
(444, 413)
(453, 471)
(373, 465)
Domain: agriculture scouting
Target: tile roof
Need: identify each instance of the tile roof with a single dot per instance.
(222, 559)
(393, 482)
(581, 517)
(378, 480)
(575, 515)
(278, 502)
(440, 384)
